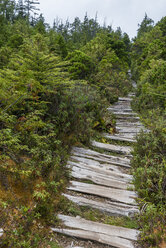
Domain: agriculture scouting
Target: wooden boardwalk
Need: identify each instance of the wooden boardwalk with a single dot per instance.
(111, 190)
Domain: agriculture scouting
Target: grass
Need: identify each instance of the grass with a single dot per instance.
(54, 245)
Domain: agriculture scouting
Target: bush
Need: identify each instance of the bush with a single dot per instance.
(76, 107)
(81, 65)
(149, 167)
(152, 87)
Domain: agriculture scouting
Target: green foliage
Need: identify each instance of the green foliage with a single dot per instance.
(149, 164)
(119, 47)
(111, 78)
(81, 65)
(46, 106)
(15, 41)
(97, 47)
(148, 66)
(110, 71)
(145, 26)
(162, 26)
(40, 25)
(5, 56)
(152, 87)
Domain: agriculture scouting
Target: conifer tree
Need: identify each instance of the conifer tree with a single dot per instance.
(145, 26)
(30, 6)
(7, 9)
(21, 8)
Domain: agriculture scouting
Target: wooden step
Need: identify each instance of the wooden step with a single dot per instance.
(130, 129)
(111, 172)
(129, 124)
(97, 237)
(106, 234)
(127, 114)
(117, 137)
(121, 105)
(1, 232)
(116, 195)
(127, 135)
(112, 148)
(104, 168)
(120, 109)
(100, 157)
(131, 95)
(111, 208)
(126, 99)
(129, 118)
(79, 172)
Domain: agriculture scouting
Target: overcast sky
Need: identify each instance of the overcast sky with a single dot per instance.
(118, 13)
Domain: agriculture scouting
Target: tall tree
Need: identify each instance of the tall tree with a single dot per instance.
(145, 26)
(30, 6)
(21, 8)
(7, 9)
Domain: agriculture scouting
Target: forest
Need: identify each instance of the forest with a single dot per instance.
(56, 83)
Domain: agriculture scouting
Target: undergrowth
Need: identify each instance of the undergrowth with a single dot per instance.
(149, 169)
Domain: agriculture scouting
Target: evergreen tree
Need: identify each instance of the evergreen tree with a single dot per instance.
(30, 7)
(126, 41)
(21, 9)
(145, 26)
(40, 25)
(76, 30)
(7, 9)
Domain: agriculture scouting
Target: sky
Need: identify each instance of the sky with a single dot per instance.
(117, 13)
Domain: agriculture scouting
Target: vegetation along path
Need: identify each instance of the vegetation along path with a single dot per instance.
(101, 181)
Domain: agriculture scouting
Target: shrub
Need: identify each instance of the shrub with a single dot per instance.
(149, 167)
(152, 87)
(81, 65)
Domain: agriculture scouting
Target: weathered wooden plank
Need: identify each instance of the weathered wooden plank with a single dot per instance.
(112, 148)
(127, 114)
(86, 151)
(75, 247)
(121, 105)
(98, 166)
(104, 180)
(72, 245)
(131, 118)
(120, 109)
(126, 99)
(118, 195)
(87, 225)
(109, 162)
(130, 129)
(127, 135)
(100, 179)
(118, 138)
(104, 169)
(129, 124)
(98, 237)
(101, 157)
(111, 208)
(131, 94)
(131, 135)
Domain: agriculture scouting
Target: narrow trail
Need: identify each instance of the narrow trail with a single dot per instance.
(111, 190)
